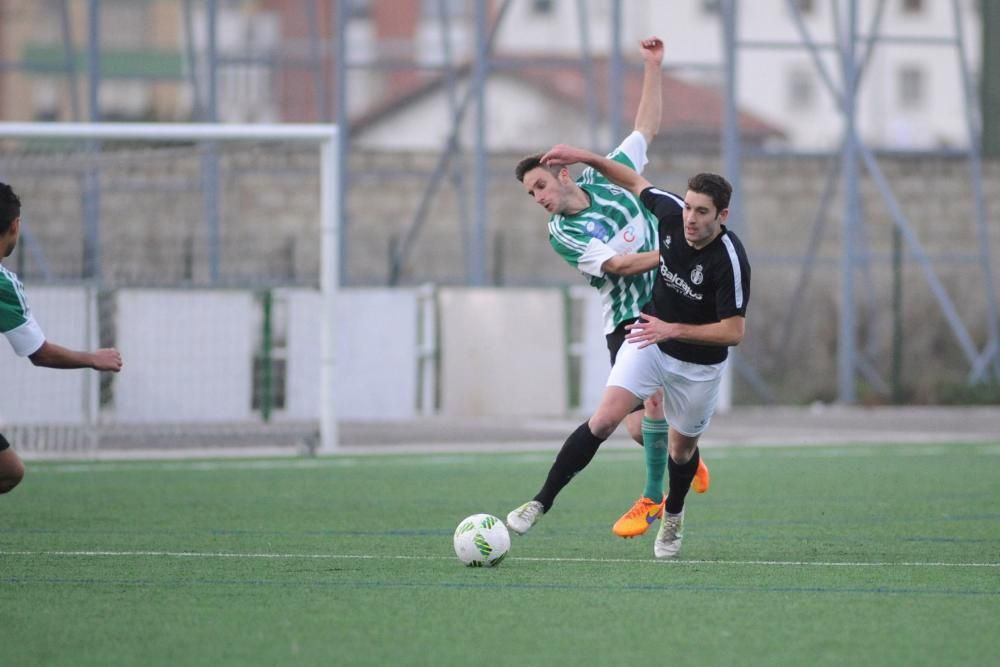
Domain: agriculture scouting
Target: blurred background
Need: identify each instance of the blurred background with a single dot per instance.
(861, 137)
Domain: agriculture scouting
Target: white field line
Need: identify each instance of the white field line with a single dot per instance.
(342, 461)
(274, 556)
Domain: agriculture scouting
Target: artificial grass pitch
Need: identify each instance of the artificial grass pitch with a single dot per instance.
(872, 555)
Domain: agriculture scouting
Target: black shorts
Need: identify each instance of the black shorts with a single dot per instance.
(615, 341)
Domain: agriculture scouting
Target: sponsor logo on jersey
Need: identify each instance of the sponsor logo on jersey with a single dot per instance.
(629, 234)
(597, 231)
(696, 275)
(666, 242)
(677, 283)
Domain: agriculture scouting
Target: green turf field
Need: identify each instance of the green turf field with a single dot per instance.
(856, 555)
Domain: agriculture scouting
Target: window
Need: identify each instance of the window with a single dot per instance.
(123, 24)
(358, 9)
(45, 96)
(431, 9)
(801, 90)
(912, 85)
(542, 6)
(46, 28)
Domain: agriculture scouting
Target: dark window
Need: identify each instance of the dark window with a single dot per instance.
(912, 87)
(801, 90)
(358, 9)
(542, 6)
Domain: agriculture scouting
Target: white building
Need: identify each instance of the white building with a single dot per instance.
(911, 95)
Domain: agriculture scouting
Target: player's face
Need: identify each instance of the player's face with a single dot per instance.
(548, 190)
(702, 222)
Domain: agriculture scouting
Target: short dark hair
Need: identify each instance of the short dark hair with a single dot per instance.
(10, 207)
(713, 185)
(532, 161)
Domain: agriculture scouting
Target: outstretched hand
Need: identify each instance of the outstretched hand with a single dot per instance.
(107, 359)
(563, 154)
(648, 330)
(652, 50)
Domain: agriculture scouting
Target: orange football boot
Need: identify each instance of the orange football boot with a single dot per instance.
(702, 480)
(637, 520)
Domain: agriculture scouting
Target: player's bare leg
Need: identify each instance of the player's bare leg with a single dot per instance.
(654, 412)
(652, 409)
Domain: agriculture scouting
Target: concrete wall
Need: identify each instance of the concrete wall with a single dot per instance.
(503, 352)
(377, 362)
(189, 356)
(152, 234)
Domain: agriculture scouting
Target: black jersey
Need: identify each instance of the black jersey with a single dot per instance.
(695, 286)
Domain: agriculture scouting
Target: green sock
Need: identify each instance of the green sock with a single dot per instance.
(654, 445)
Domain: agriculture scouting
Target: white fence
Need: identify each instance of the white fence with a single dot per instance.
(192, 356)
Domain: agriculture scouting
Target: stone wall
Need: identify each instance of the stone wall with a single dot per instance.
(152, 233)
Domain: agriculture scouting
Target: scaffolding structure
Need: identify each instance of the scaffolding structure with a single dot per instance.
(329, 65)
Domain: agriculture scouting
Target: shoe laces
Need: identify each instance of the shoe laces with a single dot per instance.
(640, 507)
(671, 525)
(527, 510)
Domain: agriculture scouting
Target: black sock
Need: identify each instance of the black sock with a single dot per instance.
(574, 456)
(680, 481)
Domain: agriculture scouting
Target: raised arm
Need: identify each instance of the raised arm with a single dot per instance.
(616, 172)
(647, 116)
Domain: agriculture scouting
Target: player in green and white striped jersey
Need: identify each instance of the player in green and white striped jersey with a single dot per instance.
(24, 334)
(608, 235)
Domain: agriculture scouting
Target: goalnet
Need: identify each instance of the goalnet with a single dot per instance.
(198, 250)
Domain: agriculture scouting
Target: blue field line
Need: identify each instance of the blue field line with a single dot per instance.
(639, 588)
(226, 555)
(467, 457)
(706, 529)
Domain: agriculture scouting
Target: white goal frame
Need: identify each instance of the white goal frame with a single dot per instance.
(325, 135)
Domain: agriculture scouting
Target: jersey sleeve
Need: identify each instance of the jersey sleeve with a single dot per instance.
(631, 152)
(733, 288)
(16, 321)
(661, 203)
(593, 258)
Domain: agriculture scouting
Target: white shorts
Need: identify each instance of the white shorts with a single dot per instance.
(690, 391)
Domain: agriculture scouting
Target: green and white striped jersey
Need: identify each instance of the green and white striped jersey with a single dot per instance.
(615, 223)
(16, 321)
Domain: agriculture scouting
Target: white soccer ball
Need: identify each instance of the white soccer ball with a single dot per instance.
(481, 540)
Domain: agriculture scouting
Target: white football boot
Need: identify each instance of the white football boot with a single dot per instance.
(670, 535)
(524, 517)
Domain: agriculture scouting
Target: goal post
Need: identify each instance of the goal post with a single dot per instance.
(324, 136)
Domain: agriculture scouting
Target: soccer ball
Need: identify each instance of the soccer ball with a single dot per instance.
(481, 540)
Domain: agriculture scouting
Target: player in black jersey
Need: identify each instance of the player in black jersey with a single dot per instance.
(681, 342)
